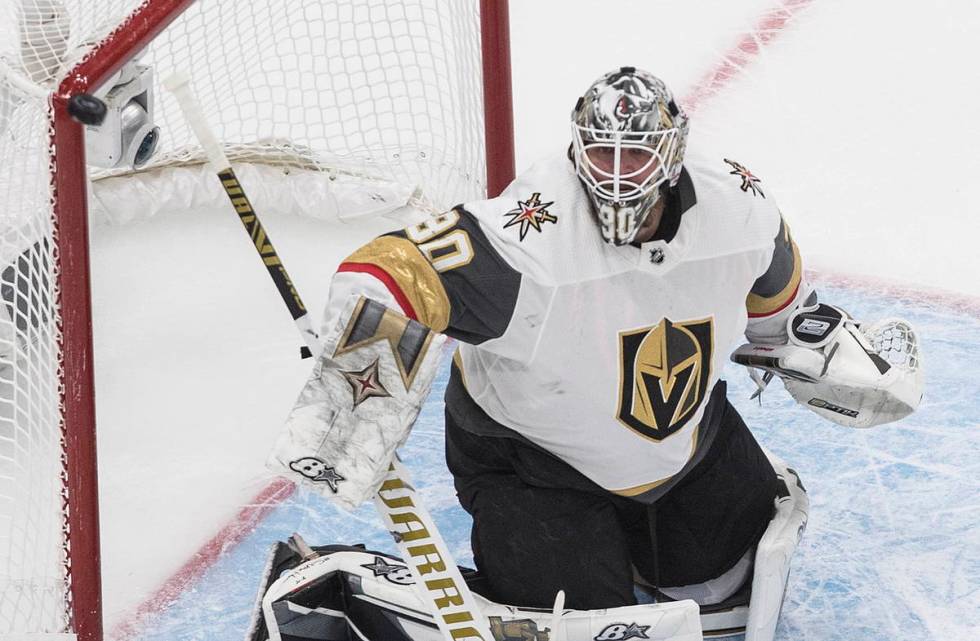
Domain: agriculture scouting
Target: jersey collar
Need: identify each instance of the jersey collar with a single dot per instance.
(668, 246)
(680, 198)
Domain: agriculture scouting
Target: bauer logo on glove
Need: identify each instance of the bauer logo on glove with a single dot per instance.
(359, 404)
(854, 374)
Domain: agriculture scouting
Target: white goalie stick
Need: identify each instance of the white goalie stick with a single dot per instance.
(437, 576)
(425, 553)
(179, 85)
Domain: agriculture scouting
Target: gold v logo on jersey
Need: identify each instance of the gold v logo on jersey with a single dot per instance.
(372, 322)
(664, 372)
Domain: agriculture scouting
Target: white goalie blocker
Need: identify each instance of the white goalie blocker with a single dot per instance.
(854, 374)
(359, 403)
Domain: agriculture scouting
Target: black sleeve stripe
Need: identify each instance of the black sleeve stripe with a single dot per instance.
(482, 293)
(783, 268)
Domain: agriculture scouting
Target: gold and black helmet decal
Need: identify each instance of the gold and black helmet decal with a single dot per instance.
(664, 373)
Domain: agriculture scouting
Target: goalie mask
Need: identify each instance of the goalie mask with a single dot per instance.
(628, 138)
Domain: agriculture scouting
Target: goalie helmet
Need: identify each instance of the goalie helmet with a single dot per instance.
(628, 138)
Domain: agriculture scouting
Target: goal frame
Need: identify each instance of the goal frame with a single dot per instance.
(70, 186)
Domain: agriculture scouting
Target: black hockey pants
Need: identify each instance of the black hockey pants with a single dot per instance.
(540, 526)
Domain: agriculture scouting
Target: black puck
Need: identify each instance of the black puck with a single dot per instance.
(87, 109)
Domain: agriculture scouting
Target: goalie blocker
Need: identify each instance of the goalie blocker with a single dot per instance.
(854, 374)
(335, 442)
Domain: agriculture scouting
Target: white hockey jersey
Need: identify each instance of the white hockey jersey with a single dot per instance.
(604, 356)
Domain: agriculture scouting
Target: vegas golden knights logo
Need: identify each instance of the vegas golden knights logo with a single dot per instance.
(664, 374)
(372, 322)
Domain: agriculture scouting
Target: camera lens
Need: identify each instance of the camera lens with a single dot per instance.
(147, 146)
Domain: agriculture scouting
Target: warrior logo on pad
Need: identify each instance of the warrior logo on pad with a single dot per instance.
(664, 373)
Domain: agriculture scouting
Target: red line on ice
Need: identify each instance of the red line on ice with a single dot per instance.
(230, 535)
(948, 301)
(744, 52)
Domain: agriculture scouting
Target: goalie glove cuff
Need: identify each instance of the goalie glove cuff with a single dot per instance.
(815, 327)
(359, 403)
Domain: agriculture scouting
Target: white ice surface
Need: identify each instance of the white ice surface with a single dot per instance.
(859, 118)
(196, 368)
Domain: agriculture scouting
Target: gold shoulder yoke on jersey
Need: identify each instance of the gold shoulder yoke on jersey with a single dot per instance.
(412, 273)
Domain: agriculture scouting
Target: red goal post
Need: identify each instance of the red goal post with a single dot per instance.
(46, 359)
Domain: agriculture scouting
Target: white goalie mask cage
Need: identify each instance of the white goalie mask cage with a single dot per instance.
(628, 140)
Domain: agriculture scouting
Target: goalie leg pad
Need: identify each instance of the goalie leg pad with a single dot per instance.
(714, 591)
(359, 403)
(774, 552)
(373, 597)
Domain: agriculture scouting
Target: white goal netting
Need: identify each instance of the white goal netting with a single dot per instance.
(333, 108)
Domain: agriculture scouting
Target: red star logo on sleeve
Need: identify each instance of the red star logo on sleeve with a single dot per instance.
(365, 383)
(530, 213)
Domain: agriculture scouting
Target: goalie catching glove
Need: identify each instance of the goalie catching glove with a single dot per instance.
(359, 404)
(854, 374)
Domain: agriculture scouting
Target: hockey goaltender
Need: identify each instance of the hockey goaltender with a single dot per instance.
(595, 303)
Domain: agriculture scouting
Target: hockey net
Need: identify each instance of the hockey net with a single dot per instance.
(361, 104)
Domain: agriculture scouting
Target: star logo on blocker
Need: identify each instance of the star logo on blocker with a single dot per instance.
(530, 213)
(749, 180)
(331, 478)
(365, 383)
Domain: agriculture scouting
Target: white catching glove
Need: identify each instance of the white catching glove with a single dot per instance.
(359, 404)
(854, 374)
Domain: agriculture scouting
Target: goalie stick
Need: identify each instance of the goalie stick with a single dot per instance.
(179, 85)
(437, 576)
(427, 556)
